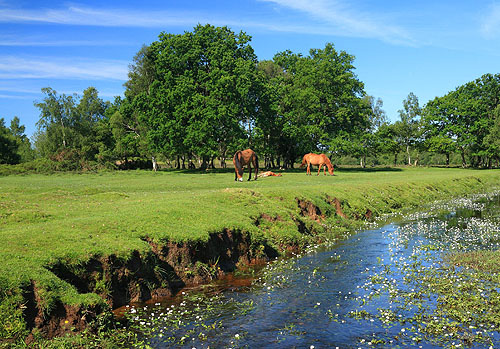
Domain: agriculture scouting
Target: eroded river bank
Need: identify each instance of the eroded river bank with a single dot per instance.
(402, 284)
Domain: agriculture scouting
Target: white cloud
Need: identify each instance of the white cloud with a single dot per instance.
(40, 41)
(490, 26)
(325, 18)
(338, 18)
(12, 67)
(77, 15)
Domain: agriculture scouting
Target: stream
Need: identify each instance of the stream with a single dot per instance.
(388, 286)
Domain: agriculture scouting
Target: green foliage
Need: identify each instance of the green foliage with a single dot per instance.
(72, 128)
(464, 120)
(8, 146)
(193, 93)
(319, 98)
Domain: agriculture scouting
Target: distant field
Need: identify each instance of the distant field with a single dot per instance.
(71, 217)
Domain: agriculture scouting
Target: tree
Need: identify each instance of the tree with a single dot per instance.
(57, 115)
(202, 96)
(367, 140)
(8, 146)
(321, 99)
(439, 135)
(463, 118)
(89, 112)
(491, 141)
(24, 145)
(67, 124)
(388, 140)
(407, 126)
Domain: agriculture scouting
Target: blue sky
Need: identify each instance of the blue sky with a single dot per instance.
(425, 47)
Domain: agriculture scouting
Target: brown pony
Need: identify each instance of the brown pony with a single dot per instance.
(243, 158)
(317, 159)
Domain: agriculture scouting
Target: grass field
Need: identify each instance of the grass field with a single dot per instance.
(46, 219)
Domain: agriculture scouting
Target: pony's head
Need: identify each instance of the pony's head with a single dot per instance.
(330, 167)
(238, 167)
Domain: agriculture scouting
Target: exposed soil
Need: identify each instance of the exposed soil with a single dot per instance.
(308, 209)
(63, 318)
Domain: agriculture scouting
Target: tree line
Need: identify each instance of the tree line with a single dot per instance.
(195, 98)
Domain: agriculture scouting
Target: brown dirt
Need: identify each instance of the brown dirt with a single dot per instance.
(308, 209)
(338, 206)
(63, 318)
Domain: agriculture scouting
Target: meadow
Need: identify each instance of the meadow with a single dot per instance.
(69, 218)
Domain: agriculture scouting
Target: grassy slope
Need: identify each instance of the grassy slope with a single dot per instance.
(72, 217)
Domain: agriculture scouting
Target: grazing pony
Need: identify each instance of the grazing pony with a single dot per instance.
(243, 158)
(317, 159)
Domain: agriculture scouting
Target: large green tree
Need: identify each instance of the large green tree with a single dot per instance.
(463, 119)
(196, 93)
(322, 99)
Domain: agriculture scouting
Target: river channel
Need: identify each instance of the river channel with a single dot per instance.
(391, 285)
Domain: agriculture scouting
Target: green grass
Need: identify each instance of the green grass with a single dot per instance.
(73, 217)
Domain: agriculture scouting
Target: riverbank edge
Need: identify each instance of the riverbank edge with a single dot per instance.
(168, 266)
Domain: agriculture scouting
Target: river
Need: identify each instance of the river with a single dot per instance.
(388, 286)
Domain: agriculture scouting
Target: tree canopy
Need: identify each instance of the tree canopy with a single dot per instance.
(201, 95)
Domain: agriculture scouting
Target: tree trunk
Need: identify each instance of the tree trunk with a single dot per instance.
(395, 159)
(155, 165)
(204, 164)
(464, 163)
(63, 133)
(408, 154)
(223, 162)
(447, 159)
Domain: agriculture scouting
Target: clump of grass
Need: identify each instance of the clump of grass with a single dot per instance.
(485, 261)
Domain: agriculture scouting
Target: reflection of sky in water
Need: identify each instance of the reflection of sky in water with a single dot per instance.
(325, 297)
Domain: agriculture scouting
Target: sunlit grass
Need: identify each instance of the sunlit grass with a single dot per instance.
(73, 217)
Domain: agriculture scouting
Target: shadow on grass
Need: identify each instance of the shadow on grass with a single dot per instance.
(289, 170)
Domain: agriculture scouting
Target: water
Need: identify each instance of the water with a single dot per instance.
(382, 287)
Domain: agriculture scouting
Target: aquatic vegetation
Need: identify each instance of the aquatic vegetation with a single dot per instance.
(432, 298)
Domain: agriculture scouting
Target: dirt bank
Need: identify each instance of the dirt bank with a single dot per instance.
(163, 270)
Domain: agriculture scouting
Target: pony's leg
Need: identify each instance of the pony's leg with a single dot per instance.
(319, 169)
(308, 168)
(249, 172)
